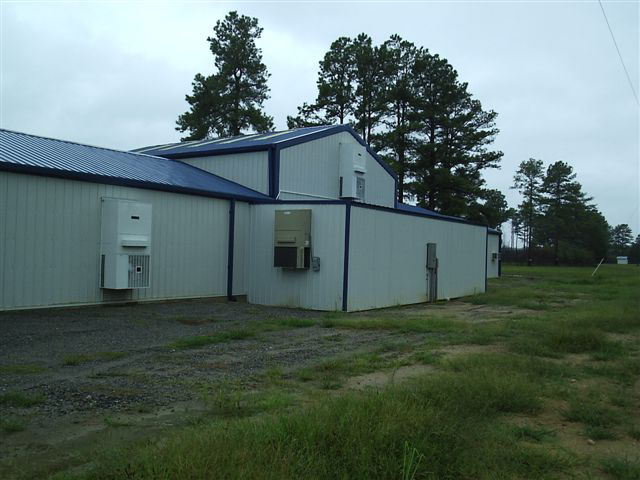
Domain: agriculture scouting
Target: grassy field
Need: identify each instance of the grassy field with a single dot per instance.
(547, 388)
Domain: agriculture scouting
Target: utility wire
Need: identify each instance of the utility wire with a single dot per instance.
(619, 54)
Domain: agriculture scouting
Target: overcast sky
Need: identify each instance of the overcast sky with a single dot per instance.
(115, 74)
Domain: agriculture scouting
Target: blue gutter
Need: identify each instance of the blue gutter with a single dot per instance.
(124, 182)
(345, 267)
(232, 227)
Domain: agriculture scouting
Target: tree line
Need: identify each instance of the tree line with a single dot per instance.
(406, 102)
(410, 105)
(558, 223)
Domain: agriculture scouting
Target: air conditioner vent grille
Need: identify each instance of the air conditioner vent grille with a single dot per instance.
(138, 271)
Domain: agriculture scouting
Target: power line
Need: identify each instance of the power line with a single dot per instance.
(619, 54)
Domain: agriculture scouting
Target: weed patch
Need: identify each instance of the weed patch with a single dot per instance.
(204, 340)
(21, 400)
(80, 358)
(621, 468)
(10, 424)
(22, 369)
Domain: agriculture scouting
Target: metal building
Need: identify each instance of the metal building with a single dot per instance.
(303, 218)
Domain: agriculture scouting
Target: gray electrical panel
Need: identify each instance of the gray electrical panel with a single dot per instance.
(292, 239)
(431, 255)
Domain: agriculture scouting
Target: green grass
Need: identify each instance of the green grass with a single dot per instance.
(270, 324)
(204, 340)
(598, 418)
(473, 415)
(450, 421)
(20, 399)
(396, 323)
(531, 433)
(11, 424)
(622, 468)
(80, 358)
(22, 369)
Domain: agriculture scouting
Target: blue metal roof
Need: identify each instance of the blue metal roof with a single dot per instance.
(423, 211)
(32, 154)
(255, 142)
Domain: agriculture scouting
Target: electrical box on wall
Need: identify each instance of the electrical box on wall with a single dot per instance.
(292, 239)
(125, 244)
(353, 169)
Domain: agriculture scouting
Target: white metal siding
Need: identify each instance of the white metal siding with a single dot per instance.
(242, 237)
(50, 234)
(249, 169)
(387, 258)
(321, 290)
(311, 170)
(493, 245)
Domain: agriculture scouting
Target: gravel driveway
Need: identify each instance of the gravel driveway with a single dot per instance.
(120, 358)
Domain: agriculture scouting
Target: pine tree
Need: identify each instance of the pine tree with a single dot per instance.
(528, 181)
(621, 238)
(395, 142)
(453, 133)
(562, 202)
(368, 98)
(335, 81)
(229, 101)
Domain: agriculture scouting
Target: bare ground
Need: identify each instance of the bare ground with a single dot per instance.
(128, 374)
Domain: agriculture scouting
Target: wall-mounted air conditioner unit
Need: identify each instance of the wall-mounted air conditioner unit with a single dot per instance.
(125, 244)
(353, 170)
(292, 239)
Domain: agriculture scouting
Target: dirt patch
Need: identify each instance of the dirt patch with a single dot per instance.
(572, 436)
(384, 378)
(459, 310)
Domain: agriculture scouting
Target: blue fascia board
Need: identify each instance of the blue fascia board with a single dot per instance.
(215, 153)
(119, 181)
(301, 202)
(434, 216)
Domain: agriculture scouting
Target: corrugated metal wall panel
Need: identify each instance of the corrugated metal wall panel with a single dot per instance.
(493, 245)
(241, 249)
(50, 242)
(249, 169)
(387, 258)
(321, 290)
(312, 168)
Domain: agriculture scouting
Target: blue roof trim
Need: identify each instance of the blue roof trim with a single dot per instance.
(413, 211)
(404, 209)
(35, 155)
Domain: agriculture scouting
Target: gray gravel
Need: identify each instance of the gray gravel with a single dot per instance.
(151, 374)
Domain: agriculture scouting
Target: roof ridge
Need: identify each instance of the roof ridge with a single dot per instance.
(170, 146)
(78, 143)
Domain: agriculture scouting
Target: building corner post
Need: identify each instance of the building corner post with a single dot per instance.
(232, 226)
(345, 268)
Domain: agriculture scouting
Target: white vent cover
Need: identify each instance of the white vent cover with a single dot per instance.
(138, 271)
(125, 244)
(353, 169)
